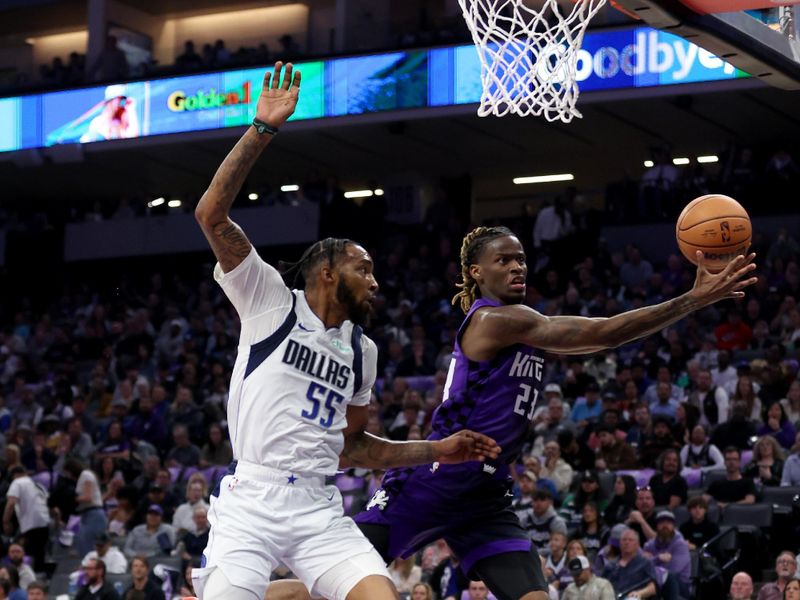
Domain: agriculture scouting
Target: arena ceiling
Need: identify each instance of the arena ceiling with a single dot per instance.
(608, 144)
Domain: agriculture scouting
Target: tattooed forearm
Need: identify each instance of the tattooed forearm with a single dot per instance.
(364, 450)
(641, 322)
(227, 240)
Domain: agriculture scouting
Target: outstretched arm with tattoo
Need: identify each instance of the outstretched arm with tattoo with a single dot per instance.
(362, 449)
(494, 328)
(275, 104)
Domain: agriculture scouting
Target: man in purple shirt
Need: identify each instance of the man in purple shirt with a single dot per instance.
(670, 551)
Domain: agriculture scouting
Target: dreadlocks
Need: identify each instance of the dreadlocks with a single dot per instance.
(471, 247)
(323, 251)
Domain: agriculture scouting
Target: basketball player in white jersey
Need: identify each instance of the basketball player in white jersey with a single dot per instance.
(298, 400)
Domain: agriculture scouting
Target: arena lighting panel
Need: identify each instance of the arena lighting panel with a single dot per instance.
(711, 158)
(290, 188)
(680, 161)
(174, 203)
(359, 194)
(252, 196)
(544, 178)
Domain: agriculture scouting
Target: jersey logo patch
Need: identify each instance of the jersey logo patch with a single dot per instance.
(434, 467)
(489, 469)
(340, 345)
(380, 500)
(301, 326)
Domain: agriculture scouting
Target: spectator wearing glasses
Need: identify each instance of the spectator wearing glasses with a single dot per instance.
(734, 489)
(785, 567)
(96, 587)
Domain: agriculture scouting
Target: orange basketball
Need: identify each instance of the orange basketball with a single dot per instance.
(718, 226)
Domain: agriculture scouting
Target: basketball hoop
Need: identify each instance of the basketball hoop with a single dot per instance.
(528, 56)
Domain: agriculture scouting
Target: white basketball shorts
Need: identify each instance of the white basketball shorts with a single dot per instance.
(264, 518)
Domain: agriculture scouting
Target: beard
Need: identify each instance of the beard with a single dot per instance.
(358, 313)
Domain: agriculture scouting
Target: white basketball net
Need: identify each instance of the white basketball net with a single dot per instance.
(528, 57)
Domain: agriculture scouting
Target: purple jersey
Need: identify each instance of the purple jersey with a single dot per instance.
(421, 504)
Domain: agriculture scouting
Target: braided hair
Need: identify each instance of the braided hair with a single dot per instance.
(323, 251)
(471, 247)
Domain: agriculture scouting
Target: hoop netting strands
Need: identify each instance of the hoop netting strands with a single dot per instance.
(528, 56)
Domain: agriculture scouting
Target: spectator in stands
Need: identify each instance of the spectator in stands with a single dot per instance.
(184, 453)
(16, 559)
(192, 544)
(9, 583)
(642, 424)
(746, 391)
(96, 587)
(669, 488)
(196, 491)
(116, 444)
(785, 567)
(698, 529)
(622, 502)
(735, 334)
(422, 591)
(734, 488)
(111, 64)
(28, 501)
(613, 454)
(635, 272)
(629, 573)
(700, 453)
(724, 374)
(791, 470)
(89, 506)
(741, 587)
(189, 60)
(556, 468)
(37, 591)
(663, 375)
(541, 520)
(111, 556)
(405, 574)
(591, 530)
(791, 403)
(711, 400)
(575, 453)
(153, 538)
(737, 431)
(448, 580)
(588, 491)
(670, 551)
(643, 519)
(555, 421)
(80, 442)
(141, 581)
(556, 564)
(586, 586)
(184, 411)
(766, 465)
(217, 450)
(665, 405)
(146, 425)
(777, 425)
(587, 408)
(792, 589)
(656, 444)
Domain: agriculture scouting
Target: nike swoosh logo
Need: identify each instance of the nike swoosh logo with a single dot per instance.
(300, 325)
(332, 495)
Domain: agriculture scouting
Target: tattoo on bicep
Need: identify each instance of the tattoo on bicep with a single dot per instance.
(232, 239)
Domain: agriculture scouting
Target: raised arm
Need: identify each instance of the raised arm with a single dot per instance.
(275, 104)
(362, 449)
(499, 327)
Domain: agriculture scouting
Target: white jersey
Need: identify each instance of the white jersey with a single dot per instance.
(293, 379)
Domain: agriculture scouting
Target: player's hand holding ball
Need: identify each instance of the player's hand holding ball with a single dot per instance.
(278, 99)
(714, 232)
(465, 446)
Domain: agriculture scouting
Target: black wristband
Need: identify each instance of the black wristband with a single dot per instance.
(262, 127)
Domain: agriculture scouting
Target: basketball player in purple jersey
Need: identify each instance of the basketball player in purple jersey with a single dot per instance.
(494, 381)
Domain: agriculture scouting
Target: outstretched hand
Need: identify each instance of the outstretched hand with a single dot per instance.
(727, 284)
(278, 99)
(465, 446)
